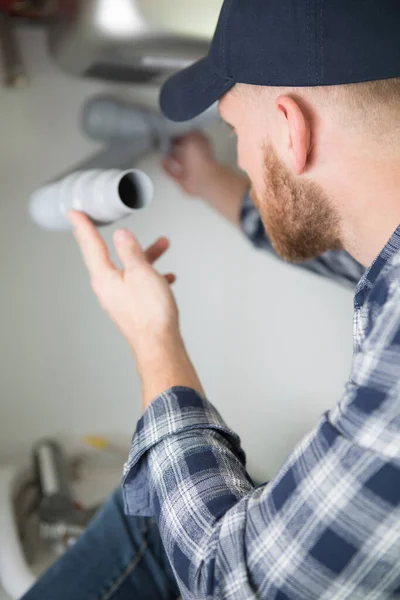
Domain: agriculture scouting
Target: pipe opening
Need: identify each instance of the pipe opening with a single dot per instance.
(130, 192)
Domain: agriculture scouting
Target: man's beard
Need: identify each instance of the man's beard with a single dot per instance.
(298, 216)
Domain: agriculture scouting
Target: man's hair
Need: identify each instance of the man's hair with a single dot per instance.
(372, 107)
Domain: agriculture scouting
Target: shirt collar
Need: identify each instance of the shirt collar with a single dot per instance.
(370, 276)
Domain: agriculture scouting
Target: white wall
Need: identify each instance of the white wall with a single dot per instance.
(272, 344)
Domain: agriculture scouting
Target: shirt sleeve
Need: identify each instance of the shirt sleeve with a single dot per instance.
(327, 526)
(338, 265)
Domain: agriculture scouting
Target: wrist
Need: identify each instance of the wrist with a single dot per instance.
(222, 180)
(153, 346)
(224, 191)
(215, 174)
(163, 363)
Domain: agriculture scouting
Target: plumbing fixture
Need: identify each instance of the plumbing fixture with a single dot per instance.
(105, 196)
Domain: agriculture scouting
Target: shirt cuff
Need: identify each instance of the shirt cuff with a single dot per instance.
(174, 411)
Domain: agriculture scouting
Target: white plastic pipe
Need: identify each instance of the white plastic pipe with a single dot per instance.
(105, 196)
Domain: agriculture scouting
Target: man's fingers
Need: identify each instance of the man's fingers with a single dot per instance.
(172, 167)
(128, 249)
(171, 278)
(157, 250)
(94, 250)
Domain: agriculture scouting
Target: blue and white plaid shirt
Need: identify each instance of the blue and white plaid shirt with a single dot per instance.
(328, 526)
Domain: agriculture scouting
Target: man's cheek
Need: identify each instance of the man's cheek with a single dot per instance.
(257, 180)
(245, 163)
(241, 157)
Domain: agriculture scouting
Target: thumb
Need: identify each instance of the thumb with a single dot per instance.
(128, 249)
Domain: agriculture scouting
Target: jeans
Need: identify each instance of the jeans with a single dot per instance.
(116, 558)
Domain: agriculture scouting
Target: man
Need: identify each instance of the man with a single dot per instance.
(310, 89)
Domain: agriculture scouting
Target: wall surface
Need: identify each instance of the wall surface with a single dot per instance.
(272, 344)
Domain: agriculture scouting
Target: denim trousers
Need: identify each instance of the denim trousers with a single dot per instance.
(116, 558)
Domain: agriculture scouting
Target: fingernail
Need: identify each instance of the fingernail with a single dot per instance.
(174, 166)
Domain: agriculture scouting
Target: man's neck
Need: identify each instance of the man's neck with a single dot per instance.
(368, 195)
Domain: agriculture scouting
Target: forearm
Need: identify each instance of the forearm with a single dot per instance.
(184, 453)
(224, 191)
(164, 364)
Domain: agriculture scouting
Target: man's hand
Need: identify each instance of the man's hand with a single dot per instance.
(140, 303)
(191, 163)
(137, 298)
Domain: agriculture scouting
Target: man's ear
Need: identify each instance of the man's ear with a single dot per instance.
(296, 130)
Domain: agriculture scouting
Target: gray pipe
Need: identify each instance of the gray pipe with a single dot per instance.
(111, 119)
(104, 195)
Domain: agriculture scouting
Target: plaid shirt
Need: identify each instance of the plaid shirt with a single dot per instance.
(328, 526)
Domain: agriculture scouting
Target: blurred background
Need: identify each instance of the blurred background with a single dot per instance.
(272, 344)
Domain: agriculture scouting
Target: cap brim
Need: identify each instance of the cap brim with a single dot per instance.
(191, 91)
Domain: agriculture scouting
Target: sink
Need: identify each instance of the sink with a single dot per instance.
(135, 41)
(23, 554)
(16, 575)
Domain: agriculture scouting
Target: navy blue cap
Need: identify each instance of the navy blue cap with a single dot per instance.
(289, 43)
